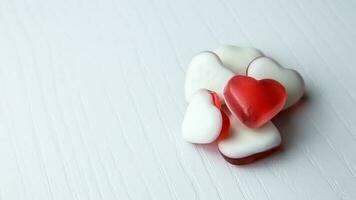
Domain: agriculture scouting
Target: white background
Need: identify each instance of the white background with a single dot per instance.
(91, 99)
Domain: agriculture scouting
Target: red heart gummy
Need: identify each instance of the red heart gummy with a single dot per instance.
(253, 101)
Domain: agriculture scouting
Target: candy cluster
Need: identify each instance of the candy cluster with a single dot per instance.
(233, 93)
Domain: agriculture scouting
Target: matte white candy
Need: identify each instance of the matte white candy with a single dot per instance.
(203, 121)
(206, 71)
(243, 141)
(264, 67)
(237, 58)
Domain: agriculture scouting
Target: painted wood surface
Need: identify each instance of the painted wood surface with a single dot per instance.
(91, 99)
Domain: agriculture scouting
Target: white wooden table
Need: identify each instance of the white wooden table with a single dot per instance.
(91, 99)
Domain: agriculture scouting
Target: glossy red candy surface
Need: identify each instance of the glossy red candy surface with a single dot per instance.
(253, 101)
(216, 99)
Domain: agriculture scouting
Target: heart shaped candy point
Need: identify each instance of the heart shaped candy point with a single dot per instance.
(253, 101)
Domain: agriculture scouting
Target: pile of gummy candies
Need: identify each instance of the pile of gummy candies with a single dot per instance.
(233, 93)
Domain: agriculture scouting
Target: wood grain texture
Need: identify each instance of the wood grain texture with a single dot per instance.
(91, 99)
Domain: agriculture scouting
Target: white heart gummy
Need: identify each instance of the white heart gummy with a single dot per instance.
(237, 58)
(266, 68)
(203, 120)
(206, 71)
